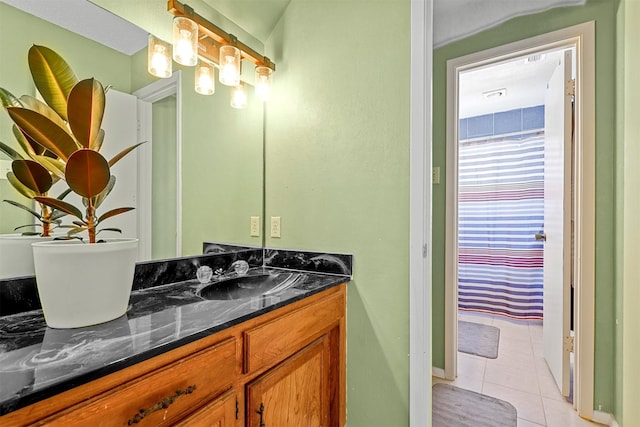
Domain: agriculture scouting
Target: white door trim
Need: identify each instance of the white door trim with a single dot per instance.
(420, 215)
(147, 95)
(583, 38)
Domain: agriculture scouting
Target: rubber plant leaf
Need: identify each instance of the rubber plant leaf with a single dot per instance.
(85, 110)
(117, 230)
(42, 108)
(96, 144)
(8, 99)
(13, 154)
(26, 208)
(27, 144)
(33, 175)
(123, 153)
(98, 199)
(60, 205)
(20, 187)
(87, 172)
(113, 212)
(52, 76)
(55, 166)
(43, 131)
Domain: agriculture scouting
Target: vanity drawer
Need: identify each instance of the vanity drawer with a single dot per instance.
(160, 397)
(271, 342)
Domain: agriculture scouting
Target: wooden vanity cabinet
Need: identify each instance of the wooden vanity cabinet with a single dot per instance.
(283, 368)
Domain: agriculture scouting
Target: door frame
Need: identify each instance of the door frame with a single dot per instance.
(147, 95)
(582, 37)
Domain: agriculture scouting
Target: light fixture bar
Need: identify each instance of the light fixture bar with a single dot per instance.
(216, 35)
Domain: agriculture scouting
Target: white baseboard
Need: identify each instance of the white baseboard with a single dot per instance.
(605, 418)
(437, 372)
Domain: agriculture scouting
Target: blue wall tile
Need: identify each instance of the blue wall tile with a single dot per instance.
(480, 126)
(533, 118)
(507, 122)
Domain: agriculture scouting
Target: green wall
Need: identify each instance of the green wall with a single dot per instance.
(337, 173)
(603, 12)
(18, 32)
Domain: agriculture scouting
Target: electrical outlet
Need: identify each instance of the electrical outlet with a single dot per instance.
(435, 175)
(255, 226)
(5, 167)
(275, 226)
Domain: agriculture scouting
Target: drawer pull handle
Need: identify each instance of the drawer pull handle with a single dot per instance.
(162, 404)
(261, 412)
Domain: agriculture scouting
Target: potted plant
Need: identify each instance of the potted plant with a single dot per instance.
(81, 280)
(30, 178)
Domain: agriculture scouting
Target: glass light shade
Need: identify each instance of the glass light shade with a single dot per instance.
(263, 82)
(185, 41)
(158, 57)
(229, 65)
(238, 97)
(205, 82)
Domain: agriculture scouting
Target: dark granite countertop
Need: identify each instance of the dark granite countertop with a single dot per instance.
(37, 362)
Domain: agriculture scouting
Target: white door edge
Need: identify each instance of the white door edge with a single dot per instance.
(582, 37)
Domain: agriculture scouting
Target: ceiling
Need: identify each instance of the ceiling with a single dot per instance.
(525, 84)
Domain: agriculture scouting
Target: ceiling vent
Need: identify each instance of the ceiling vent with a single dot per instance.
(495, 94)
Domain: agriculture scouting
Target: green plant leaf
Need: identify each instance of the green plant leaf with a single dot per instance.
(20, 187)
(87, 172)
(55, 166)
(32, 175)
(117, 230)
(43, 131)
(123, 153)
(96, 144)
(26, 208)
(61, 205)
(28, 232)
(56, 215)
(53, 77)
(113, 212)
(64, 194)
(8, 99)
(85, 109)
(10, 152)
(98, 199)
(42, 108)
(27, 144)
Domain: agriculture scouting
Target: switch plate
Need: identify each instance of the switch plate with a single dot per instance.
(275, 226)
(435, 175)
(254, 230)
(5, 166)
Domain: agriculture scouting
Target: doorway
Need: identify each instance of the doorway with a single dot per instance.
(578, 39)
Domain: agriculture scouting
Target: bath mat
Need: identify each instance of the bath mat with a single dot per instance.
(478, 339)
(457, 407)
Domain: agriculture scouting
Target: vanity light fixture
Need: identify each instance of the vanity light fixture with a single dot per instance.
(263, 82)
(229, 65)
(238, 97)
(185, 41)
(158, 57)
(205, 81)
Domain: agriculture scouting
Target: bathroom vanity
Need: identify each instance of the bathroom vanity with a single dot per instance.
(176, 358)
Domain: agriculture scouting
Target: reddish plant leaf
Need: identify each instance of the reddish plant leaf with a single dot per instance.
(87, 172)
(60, 205)
(43, 131)
(85, 109)
(32, 175)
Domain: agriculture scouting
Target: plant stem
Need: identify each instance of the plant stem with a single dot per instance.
(46, 216)
(91, 226)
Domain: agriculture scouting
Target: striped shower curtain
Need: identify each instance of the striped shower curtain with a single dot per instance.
(501, 207)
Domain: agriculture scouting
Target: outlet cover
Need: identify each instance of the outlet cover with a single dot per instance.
(255, 226)
(275, 226)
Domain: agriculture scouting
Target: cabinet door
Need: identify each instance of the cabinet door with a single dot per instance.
(294, 393)
(220, 412)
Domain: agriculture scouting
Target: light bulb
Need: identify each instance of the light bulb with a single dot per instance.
(205, 84)
(159, 57)
(238, 97)
(185, 41)
(263, 82)
(229, 65)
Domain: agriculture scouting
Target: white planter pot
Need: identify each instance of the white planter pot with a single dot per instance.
(16, 255)
(82, 284)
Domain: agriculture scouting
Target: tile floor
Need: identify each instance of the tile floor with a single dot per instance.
(519, 375)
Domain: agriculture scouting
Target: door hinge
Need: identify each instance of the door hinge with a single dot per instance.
(425, 251)
(568, 344)
(571, 87)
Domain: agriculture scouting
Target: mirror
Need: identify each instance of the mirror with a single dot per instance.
(217, 174)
